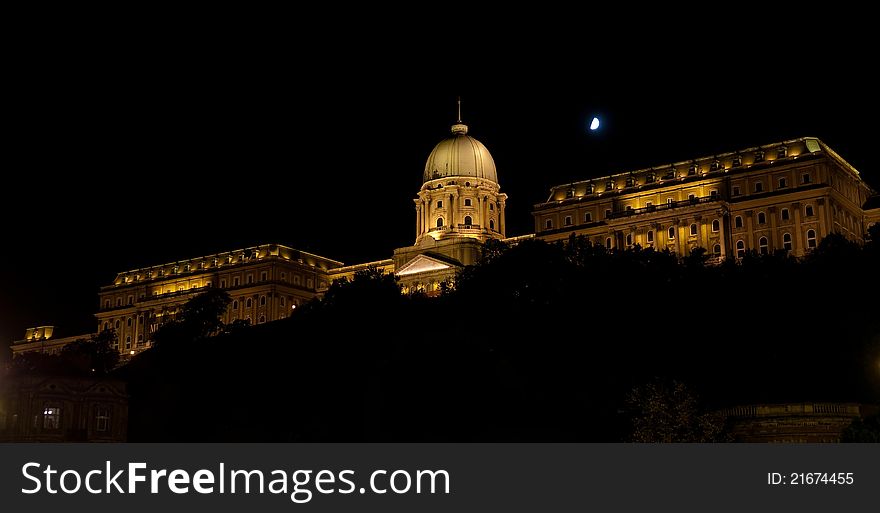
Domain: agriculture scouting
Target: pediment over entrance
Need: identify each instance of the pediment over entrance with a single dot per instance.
(422, 264)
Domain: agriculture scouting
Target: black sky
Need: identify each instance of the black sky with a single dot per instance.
(137, 155)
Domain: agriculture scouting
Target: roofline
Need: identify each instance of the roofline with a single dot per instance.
(707, 157)
(228, 252)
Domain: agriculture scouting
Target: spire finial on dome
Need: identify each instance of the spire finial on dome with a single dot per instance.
(459, 128)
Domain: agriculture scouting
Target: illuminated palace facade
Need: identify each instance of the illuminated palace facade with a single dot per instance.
(783, 196)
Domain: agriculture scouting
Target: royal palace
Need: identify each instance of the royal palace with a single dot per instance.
(784, 196)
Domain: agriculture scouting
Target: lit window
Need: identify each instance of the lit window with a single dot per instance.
(491, 224)
(439, 204)
(548, 224)
(51, 417)
(262, 300)
(567, 220)
(762, 218)
(468, 221)
(671, 232)
(650, 236)
(467, 202)
(740, 249)
(439, 222)
(102, 418)
(736, 191)
(805, 178)
(588, 217)
(811, 239)
(608, 242)
(786, 241)
(694, 230)
(249, 303)
(759, 187)
(783, 183)
(762, 245)
(785, 215)
(716, 250)
(809, 210)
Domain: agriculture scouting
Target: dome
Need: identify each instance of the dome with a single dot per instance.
(460, 155)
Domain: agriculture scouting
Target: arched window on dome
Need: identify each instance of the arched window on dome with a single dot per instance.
(468, 221)
(439, 222)
(440, 204)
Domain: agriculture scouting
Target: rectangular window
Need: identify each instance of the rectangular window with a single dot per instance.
(713, 194)
(736, 191)
(805, 178)
(670, 201)
(250, 279)
(102, 418)
(567, 220)
(310, 283)
(785, 214)
(607, 213)
(284, 277)
(264, 276)
(130, 300)
(51, 417)
(222, 284)
(809, 210)
(588, 217)
(236, 281)
(783, 183)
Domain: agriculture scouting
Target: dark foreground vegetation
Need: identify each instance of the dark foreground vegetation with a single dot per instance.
(538, 342)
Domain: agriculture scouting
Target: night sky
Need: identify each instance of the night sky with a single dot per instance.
(144, 156)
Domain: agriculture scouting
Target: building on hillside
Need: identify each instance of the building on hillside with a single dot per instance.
(265, 282)
(41, 340)
(783, 196)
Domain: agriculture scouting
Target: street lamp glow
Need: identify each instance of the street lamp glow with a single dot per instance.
(594, 125)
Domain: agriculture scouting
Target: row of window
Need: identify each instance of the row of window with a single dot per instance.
(784, 214)
(51, 419)
(467, 203)
(468, 221)
(782, 183)
(693, 170)
(764, 247)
